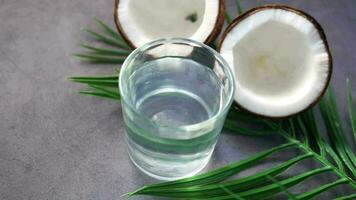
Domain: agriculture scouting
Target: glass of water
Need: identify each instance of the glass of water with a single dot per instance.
(175, 96)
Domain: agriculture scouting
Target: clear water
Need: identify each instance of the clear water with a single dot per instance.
(174, 107)
(173, 92)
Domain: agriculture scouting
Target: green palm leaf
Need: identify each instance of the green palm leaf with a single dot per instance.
(337, 136)
(227, 17)
(335, 157)
(233, 195)
(107, 81)
(238, 185)
(98, 94)
(109, 31)
(351, 108)
(108, 91)
(238, 7)
(348, 197)
(283, 189)
(106, 52)
(312, 193)
(99, 58)
(105, 39)
(308, 118)
(274, 188)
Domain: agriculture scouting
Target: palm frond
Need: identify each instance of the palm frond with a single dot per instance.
(108, 91)
(314, 192)
(111, 32)
(351, 108)
(347, 197)
(238, 7)
(233, 195)
(227, 17)
(324, 161)
(303, 130)
(105, 39)
(283, 189)
(335, 131)
(274, 188)
(335, 157)
(97, 94)
(308, 118)
(99, 58)
(107, 52)
(238, 185)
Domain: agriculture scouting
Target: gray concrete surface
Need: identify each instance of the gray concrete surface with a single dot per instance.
(55, 144)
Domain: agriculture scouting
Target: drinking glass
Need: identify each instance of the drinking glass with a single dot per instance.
(175, 96)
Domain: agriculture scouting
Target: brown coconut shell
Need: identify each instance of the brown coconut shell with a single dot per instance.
(212, 36)
(311, 19)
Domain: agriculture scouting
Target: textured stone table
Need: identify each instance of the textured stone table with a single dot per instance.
(55, 144)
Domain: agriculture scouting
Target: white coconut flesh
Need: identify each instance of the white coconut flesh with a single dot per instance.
(280, 61)
(143, 21)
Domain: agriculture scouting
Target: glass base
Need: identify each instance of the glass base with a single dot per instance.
(164, 178)
(168, 169)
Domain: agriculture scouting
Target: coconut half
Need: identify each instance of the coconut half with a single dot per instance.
(281, 60)
(142, 21)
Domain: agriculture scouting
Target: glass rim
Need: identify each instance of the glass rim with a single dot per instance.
(218, 57)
